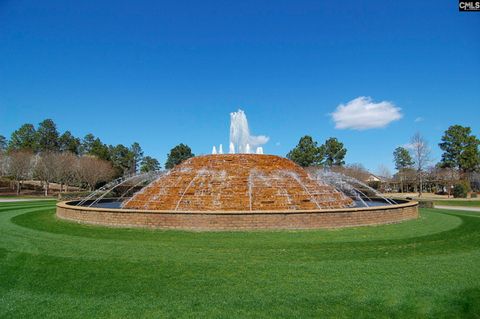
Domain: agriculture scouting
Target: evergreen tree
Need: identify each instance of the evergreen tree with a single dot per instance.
(334, 152)
(94, 146)
(25, 138)
(177, 155)
(47, 136)
(121, 159)
(460, 149)
(3, 143)
(149, 164)
(100, 150)
(307, 152)
(69, 143)
(402, 158)
(137, 156)
(403, 162)
(87, 144)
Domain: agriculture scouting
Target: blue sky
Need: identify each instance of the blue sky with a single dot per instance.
(165, 72)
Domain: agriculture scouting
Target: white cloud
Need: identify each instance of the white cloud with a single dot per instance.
(257, 140)
(363, 114)
(418, 119)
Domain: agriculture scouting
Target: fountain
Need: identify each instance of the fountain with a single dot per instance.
(240, 136)
(237, 191)
(349, 185)
(240, 182)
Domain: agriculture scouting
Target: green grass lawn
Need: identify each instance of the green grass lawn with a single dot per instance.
(49, 268)
(466, 203)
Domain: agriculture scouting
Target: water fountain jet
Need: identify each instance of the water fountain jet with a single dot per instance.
(240, 133)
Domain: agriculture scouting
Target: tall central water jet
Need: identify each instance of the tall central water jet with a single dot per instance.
(240, 134)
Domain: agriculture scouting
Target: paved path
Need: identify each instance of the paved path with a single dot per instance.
(469, 209)
(8, 200)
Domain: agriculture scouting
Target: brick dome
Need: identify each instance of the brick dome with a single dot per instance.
(237, 182)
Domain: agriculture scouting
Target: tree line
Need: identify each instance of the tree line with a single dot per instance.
(63, 168)
(43, 154)
(456, 171)
(47, 139)
(459, 165)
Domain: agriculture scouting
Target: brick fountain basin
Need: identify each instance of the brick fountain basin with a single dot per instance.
(231, 220)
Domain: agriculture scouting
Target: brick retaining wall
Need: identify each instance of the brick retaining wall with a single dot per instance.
(332, 218)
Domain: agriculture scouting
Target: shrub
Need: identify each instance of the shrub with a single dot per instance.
(374, 184)
(425, 204)
(474, 195)
(460, 190)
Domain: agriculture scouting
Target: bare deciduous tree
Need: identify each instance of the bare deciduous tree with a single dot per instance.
(355, 170)
(92, 171)
(421, 156)
(19, 167)
(45, 168)
(386, 176)
(384, 171)
(3, 164)
(446, 176)
(65, 169)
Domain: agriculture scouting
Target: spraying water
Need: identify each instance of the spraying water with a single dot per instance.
(231, 149)
(220, 149)
(349, 186)
(240, 133)
(214, 150)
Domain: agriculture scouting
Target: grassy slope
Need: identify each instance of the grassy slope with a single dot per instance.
(51, 268)
(465, 203)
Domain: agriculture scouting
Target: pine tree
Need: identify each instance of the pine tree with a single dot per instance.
(307, 152)
(47, 136)
(460, 149)
(334, 152)
(177, 155)
(149, 164)
(25, 138)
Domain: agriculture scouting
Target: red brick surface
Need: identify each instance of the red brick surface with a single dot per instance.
(237, 182)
